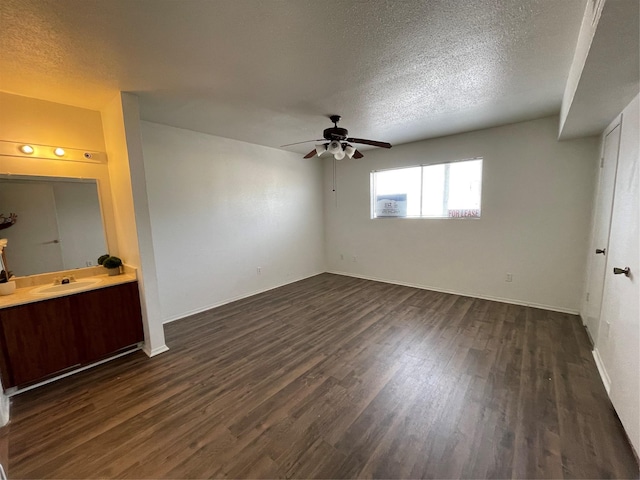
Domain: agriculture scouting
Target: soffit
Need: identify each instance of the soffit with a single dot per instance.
(610, 77)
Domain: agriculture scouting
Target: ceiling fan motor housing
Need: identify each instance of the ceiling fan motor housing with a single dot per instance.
(335, 133)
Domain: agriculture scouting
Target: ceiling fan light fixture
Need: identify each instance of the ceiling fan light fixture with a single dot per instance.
(334, 147)
(336, 143)
(349, 151)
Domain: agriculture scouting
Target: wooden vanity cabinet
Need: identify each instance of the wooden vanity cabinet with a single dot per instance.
(41, 339)
(107, 320)
(37, 340)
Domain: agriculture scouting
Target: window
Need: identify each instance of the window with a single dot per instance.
(445, 190)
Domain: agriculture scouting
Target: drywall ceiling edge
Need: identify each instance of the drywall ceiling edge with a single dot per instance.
(605, 84)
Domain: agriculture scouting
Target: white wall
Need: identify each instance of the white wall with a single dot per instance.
(221, 209)
(30, 120)
(536, 207)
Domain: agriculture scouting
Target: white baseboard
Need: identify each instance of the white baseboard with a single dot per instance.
(233, 299)
(463, 294)
(601, 370)
(156, 351)
(375, 279)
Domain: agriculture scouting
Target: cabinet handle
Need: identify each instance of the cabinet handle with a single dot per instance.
(603, 251)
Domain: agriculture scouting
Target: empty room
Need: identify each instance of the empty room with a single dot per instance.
(319, 239)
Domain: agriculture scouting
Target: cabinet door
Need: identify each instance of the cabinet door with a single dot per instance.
(107, 320)
(39, 340)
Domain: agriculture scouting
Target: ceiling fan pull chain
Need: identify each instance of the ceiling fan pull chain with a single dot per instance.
(334, 174)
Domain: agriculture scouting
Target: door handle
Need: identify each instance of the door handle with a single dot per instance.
(619, 271)
(52, 241)
(603, 251)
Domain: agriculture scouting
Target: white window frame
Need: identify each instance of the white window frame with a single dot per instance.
(372, 193)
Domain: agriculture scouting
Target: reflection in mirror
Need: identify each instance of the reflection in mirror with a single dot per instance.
(59, 225)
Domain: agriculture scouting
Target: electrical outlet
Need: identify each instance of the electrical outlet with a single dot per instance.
(509, 278)
(354, 259)
(89, 263)
(588, 296)
(259, 270)
(341, 256)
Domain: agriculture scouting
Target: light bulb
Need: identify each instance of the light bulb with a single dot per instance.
(334, 147)
(28, 149)
(320, 149)
(339, 155)
(349, 151)
(59, 152)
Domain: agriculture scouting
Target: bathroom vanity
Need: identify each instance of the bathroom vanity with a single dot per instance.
(43, 335)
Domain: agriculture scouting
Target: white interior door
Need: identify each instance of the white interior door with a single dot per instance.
(619, 339)
(602, 226)
(34, 244)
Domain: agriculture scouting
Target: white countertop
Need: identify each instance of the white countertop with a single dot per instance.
(23, 295)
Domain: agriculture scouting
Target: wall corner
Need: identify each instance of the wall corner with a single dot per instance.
(121, 122)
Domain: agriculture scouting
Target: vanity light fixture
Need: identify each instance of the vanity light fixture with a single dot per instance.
(50, 152)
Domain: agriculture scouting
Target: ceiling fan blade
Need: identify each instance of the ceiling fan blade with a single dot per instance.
(312, 153)
(298, 143)
(357, 154)
(369, 142)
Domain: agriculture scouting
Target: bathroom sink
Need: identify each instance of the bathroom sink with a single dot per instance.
(65, 287)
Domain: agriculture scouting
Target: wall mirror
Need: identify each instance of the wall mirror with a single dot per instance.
(59, 224)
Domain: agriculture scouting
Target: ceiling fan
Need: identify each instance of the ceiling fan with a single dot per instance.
(338, 142)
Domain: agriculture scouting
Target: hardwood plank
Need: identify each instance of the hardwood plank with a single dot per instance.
(335, 377)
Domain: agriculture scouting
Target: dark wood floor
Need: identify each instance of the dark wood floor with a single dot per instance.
(335, 377)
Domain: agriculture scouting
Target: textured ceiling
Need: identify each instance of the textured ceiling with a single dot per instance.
(268, 72)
